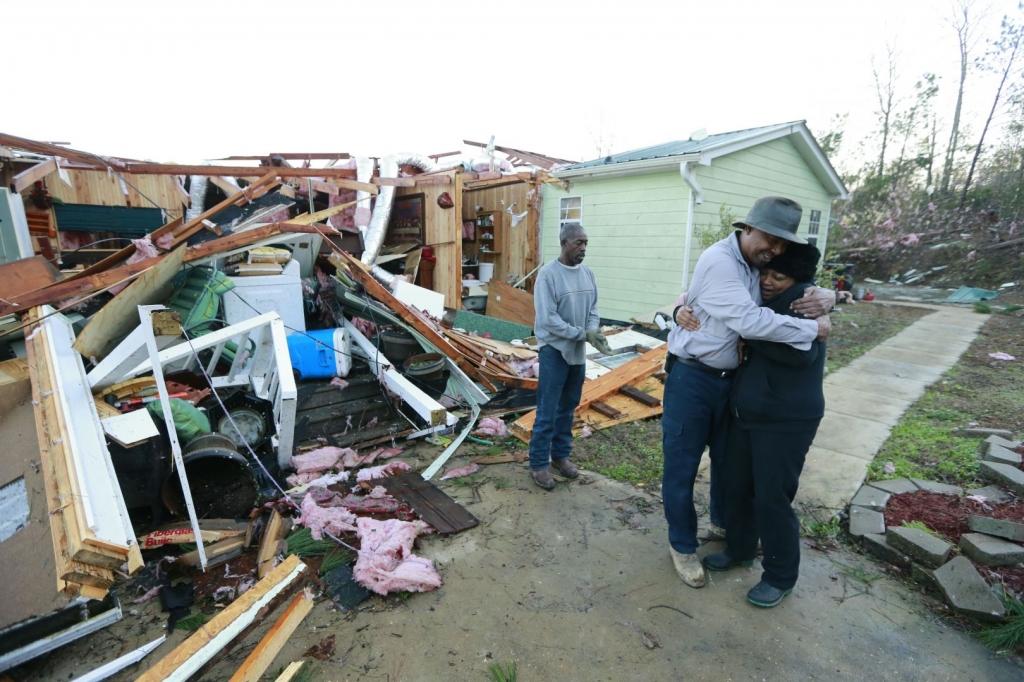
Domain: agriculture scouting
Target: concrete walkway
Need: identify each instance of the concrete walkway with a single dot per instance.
(865, 399)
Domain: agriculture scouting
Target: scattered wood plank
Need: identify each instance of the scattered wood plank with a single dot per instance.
(291, 671)
(641, 397)
(25, 178)
(603, 388)
(218, 552)
(201, 647)
(246, 172)
(631, 410)
(270, 646)
(508, 303)
(429, 502)
(27, 274)
(605, 409)
(270, 542)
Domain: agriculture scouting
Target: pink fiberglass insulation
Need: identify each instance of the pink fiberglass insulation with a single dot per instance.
(143, 249)
(317, 519)
(491, 426)
(320, 459)
(311, 478)
(529, 368)
(345, 219)
(384, 470)
(386, 562)
(461, 471)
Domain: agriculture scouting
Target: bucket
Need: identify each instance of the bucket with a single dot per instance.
(222, 485)
(320, 354)
(399, 345)
(426, 371)
(486, 272)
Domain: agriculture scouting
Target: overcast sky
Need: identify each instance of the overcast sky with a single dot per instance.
(183, 81)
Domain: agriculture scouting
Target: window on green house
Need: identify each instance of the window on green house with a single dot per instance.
(570, 210)
(814, 226)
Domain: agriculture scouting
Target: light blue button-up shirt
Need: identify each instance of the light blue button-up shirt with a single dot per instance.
(725, 294)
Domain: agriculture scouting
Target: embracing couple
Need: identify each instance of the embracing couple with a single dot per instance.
(745, 371)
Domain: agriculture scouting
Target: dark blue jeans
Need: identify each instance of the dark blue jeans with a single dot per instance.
(559, 387)
(762, 475)
(696, 415)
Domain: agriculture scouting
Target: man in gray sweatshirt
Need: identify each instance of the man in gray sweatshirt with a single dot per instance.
(565, 301)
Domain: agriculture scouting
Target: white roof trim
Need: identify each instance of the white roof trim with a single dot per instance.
(801, 137)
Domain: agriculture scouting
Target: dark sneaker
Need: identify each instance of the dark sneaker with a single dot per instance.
(766, 596)
(720, 561)
(544, 479)
(566, 468)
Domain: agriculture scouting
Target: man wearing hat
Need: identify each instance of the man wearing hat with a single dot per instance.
(725, 299)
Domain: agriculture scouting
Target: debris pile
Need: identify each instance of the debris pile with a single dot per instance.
(216, 408)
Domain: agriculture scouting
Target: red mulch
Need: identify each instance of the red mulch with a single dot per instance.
(947, 515)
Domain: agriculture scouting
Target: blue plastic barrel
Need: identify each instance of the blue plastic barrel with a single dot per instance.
(316, 357)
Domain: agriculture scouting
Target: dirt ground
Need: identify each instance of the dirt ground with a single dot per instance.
(568, 584)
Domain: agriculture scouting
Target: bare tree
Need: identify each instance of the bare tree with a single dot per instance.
(962, 23)
(1002, 55)
(907, 121)
(887, 103)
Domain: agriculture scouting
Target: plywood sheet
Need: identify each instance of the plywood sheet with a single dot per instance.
(508, 303)
(27, 274)
(429, 502)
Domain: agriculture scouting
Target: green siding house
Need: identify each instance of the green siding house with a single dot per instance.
(645, 209)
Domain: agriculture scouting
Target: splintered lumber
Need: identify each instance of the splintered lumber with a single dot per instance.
(640, 396)
(75, 561)
(218, 552)
(74, 287)
(270, 646)
(269, 543)
(410, 316)
(201, 647)
(508, 303)
(25, 178)
(291, 671)
(603, 388)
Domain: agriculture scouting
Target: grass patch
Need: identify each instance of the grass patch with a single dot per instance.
(982, 307)
(924, 445)
(191, 623)
(628, 452)
(497, 672)
(859, 328)
(1010, 635)
(825, 532)
(977, 391)
(920, 525)
(302, 544)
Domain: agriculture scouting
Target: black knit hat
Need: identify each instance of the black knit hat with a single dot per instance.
(799, 261)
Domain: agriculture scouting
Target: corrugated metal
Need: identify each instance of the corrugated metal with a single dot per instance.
(125, 222)
(676, 148)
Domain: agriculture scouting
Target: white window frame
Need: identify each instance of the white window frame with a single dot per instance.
(563, 210)
(814, 226)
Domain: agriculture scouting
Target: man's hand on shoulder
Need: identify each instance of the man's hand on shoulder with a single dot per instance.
(816, 302)
(824, 327)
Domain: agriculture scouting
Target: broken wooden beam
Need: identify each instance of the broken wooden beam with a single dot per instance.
(205, 643)
(237, 171)
(26, 178)
(276, 529)
(639, 396)
(270, 646)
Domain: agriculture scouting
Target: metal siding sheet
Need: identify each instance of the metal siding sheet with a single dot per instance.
(127, 222)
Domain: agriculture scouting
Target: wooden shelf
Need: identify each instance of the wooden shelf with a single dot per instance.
(490, 232)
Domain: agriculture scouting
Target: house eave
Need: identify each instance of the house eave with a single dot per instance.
(663, 163)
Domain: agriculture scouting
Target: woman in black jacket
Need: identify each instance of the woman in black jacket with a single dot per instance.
(777, 403)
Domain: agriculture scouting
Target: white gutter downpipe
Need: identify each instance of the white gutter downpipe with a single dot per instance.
(696, 196)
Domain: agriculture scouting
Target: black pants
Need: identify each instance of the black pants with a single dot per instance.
(762, 472)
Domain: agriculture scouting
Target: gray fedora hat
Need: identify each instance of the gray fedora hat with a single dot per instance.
(777, 216)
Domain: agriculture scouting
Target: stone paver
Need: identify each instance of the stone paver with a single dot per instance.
(1003, 474)
(981, 432)
(936, 487)
(991, 493)
(924, 547)
(1001, 455)
(984, 445)
(870, 498)
(880, 548)
(967, 592)
(864, 521)
(997, 527)
(896, 486)
(923, 576)
(990, 551)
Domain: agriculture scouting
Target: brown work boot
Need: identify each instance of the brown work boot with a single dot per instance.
(566, 468)
(689, 568)
(543, 478)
